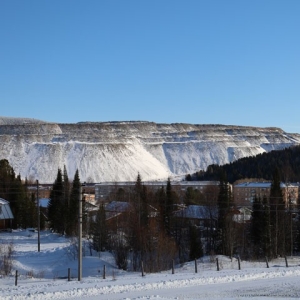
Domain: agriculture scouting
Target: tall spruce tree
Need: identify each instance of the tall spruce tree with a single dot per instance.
(224, 204)
(73, 210)
(66, 199)
(257, 227)
(7, 177)
(137, 224)
(277, 216)
(56, 212)
(169, 207)
(196, 250)
(266, 228)
(99, 230)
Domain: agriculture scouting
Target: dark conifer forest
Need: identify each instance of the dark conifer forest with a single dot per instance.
(261, 166)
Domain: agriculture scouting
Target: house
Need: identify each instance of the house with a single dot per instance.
(6, 215)
(242, 215)
(116, 208)
(117, 214)
(203, 217)
(197, 214)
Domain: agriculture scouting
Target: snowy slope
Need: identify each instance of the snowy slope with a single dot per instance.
(49, 269)
(117, 151)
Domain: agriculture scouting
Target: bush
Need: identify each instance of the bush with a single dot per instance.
(6, 262)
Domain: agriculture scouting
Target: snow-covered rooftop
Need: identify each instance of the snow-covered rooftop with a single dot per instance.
(5, 211)
(266, 184)
(196, 212)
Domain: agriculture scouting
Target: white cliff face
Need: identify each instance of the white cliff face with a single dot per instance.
(117, 151)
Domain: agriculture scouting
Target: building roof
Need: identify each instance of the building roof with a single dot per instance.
(5, 211)
(159, 183)
(197, 212)
(44, 202)
(266, 184)
(117, 206)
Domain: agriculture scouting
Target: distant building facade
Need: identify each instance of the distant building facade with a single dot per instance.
(244, 193)
(103, 190)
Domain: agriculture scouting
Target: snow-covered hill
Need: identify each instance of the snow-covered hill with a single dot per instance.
(117, 151)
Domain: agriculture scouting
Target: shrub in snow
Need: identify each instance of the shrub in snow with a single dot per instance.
(6, 262)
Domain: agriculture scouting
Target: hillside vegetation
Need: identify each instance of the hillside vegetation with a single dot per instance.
(259, 166)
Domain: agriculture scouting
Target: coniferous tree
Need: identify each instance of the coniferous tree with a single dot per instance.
(266, 229)
(66, 199)
(73, 211)
(224, 204)
(56, 213)
(169, 207)
(196, 250)
(137, 224)
(257, 227)
(277, 216)
(18, 201)
(99, 230)
(141, 201)
(7, 177)
(12, 189)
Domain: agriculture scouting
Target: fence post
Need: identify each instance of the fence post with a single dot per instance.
(142, 265)
(286, 262)
(267, 262)
(196, 269)
(239, 262)
(16, 278)
(104, 271)
(218, 268)
(69, 274)
(173, 271)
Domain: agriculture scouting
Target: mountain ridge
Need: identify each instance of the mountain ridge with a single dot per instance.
(119, 150)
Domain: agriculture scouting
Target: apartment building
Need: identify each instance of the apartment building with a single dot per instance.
(244, 193)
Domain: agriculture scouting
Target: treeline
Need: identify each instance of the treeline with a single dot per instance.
(151, 230)
(22, 202)
(260, 166)
(63, 204)
(62, 211)
(147, 232)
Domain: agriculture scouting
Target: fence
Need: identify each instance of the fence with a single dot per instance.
(198, 266)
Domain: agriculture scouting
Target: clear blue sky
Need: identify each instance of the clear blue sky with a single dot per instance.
(190, 61)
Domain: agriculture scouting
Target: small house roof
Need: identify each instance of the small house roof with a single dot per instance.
(117, 206)
(197, 212)
(5, 211)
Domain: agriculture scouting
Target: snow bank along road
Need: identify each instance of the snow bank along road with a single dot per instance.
(253, 281)
(278, 282)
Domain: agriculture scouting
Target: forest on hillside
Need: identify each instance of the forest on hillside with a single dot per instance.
(261, 166)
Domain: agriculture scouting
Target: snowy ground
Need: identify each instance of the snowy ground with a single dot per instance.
(50, 267)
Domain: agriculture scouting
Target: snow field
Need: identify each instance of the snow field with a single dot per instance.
(49, 268)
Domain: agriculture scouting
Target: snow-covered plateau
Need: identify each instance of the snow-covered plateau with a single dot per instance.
(43, 275)
(118, 151)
